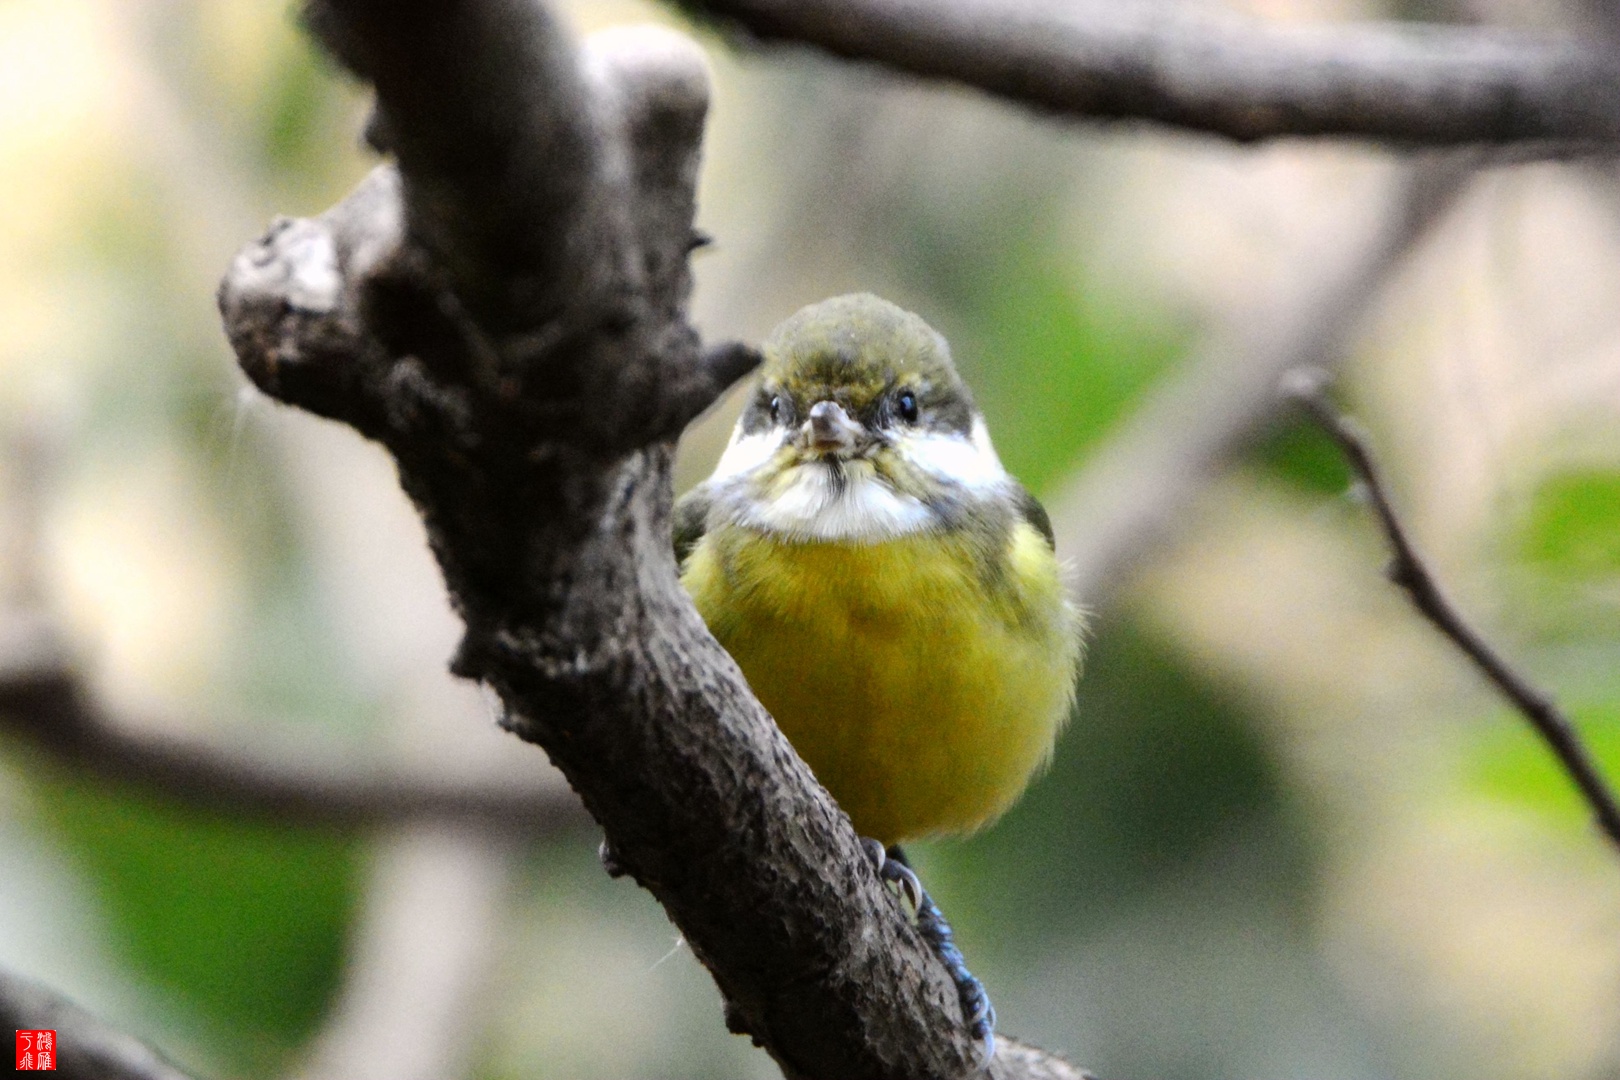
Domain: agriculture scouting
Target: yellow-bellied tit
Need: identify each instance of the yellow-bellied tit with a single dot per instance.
(890, 592)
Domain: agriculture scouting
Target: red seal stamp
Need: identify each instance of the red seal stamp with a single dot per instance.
(36, 1050)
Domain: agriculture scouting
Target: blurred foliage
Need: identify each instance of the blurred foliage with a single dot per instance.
(282, 127)
(1510, 763)
(299, 114)
(243, 922)
(1573, 524)
(1056, 367)
(1296, 451)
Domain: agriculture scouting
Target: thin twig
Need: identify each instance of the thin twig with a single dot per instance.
(1219, 72)
(1408, 570)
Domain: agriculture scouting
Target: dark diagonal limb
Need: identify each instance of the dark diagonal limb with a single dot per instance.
(505, 312)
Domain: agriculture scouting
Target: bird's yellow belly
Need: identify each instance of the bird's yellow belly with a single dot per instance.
(922, 696)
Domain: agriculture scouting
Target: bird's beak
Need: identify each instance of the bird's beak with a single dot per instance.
(831, 430)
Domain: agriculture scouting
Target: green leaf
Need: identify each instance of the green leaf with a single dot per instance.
(1299, 452)
(1514, 765)
(1573, 526)
(244, 922)
(1058, 367)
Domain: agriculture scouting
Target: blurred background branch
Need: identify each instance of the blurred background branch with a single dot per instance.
(1214, 71)
(1136, 488)
(45, 704)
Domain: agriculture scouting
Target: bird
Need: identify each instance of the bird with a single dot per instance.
(890, 592)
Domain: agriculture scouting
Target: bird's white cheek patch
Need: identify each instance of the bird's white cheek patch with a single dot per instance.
(745, 453)
(969, 462)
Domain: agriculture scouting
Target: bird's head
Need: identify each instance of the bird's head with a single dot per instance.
(860, 428)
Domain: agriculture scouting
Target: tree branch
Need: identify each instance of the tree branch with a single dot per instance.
(1222, 73)
(1408, 570)
(44, 701)
(87, 1048)
(506, 314)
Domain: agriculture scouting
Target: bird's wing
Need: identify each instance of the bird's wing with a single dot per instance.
(691, 519)
(1031, 510)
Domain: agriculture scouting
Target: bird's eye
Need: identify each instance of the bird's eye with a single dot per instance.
(906, 404)
(776, 409)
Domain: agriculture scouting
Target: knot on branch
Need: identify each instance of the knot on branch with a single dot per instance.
(536, 306)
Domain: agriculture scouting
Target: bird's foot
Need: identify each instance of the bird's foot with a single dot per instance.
(896, 872)
(977, 1012)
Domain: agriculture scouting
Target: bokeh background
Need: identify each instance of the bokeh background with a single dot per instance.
(1288, 833)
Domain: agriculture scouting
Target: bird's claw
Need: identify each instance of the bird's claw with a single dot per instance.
(907, 882)
(896, 873)
(875, 854)
(982, 1026)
